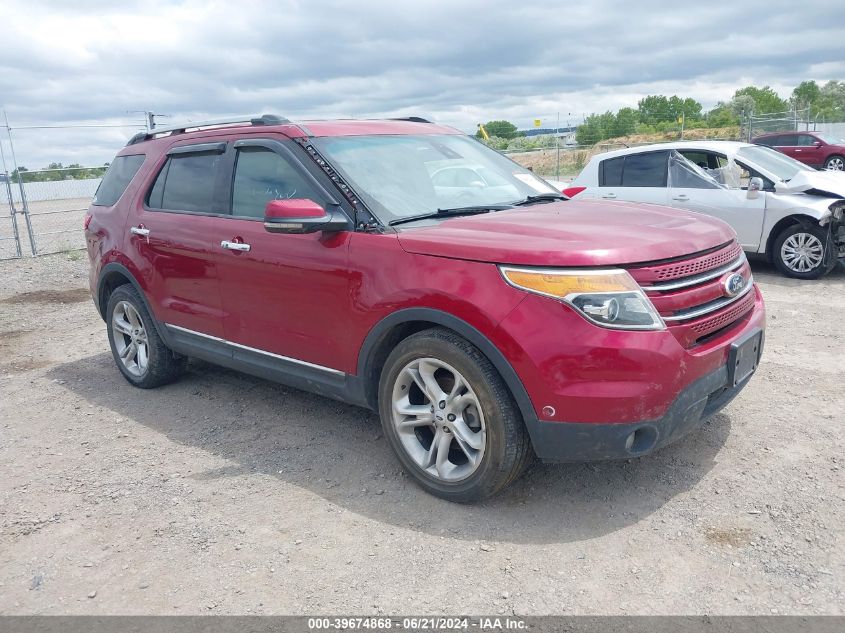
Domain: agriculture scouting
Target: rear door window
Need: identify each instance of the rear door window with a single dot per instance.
(117, 178)
(186, 183)
(645, 170)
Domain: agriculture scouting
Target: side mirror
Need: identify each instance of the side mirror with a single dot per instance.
(755, 185)
(300, 215)
(817, 143)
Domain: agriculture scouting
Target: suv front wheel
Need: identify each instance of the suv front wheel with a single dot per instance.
(450, 419)
(140, 354)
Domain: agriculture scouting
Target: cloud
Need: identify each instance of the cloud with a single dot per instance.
(460, 61)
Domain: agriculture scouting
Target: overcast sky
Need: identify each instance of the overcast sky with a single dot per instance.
(461, 62)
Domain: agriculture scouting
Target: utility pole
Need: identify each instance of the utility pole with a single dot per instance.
(557, 146)
(149, 118)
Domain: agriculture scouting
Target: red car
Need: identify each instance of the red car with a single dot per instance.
(811, 148)
(487, 320)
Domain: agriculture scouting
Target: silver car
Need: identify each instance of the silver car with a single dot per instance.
(778, 207)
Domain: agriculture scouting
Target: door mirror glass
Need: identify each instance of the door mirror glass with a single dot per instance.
(755, 185)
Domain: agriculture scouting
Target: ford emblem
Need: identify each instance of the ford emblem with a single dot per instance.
(733, 284)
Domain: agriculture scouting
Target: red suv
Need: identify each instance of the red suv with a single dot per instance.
(811, 148)
(405, 267)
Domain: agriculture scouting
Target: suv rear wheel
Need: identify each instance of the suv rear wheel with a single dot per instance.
(450, 419)
(802, 252)
(140, 354)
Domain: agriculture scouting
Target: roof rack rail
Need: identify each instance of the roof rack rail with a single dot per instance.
(264, 119)
(413, 119)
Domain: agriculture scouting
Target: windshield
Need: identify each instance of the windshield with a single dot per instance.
(831, 140)
(402, 176)
(777, 164)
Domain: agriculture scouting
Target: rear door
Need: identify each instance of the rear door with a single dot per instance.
(286, 297)
(171, 230)
(634, 177)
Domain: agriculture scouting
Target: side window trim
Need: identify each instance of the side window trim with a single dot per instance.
(198, 148)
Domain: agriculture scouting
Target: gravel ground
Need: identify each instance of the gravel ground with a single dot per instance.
(227, 494)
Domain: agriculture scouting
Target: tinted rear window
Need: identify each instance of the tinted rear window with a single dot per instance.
(186, 183)
(117, 178)
(634, 170)
(645, 170)
(611, 172)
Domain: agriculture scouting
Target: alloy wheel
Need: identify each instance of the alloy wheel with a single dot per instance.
(438, 419)
(802, 252)
(835, 164)
(130, 338)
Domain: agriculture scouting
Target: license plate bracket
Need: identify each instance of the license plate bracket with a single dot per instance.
(744, 357)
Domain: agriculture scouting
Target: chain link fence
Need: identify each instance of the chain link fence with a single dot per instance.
(10, 244)
(42, 211)
(55, 201)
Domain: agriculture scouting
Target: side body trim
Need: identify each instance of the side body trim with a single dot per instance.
(257, 351)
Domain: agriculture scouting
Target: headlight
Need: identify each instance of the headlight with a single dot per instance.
(610, 298)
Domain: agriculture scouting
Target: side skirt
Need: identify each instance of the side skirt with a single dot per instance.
(323, 381)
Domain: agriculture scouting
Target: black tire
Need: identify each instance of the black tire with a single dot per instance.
(828, 260)
(163, 365)
(837, 160)
(507, 447)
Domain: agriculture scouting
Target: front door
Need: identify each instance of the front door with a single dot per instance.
(283, 295)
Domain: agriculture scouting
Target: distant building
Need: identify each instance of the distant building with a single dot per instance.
(566, 134)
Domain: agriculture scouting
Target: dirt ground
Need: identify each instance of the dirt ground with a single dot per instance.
(226, 494)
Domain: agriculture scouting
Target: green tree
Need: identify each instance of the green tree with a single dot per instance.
(653, 109)
(765, 99)
(502, 129)
(722, 116)
(805, 94)
(626, 122)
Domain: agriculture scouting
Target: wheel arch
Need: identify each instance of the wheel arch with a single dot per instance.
(806, 221)
(384, 336)
(112, 276)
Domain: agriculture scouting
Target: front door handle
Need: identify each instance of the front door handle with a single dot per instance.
(608, 195)
(139, 230)
(235, 246)
(681, 197)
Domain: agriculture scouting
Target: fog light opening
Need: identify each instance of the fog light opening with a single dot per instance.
(641, 440)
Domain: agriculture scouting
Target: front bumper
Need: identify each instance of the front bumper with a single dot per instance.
(580, 442)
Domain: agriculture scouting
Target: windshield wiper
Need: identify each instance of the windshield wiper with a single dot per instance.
(540, 197)
(445, 213)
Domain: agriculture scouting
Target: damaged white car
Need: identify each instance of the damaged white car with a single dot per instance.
(778, 207)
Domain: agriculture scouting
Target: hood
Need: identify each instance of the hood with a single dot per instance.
(570, 233)
(831, 182)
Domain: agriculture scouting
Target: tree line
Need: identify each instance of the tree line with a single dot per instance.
(57, 171)
(659, 113)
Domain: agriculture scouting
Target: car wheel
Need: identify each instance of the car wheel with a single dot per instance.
(802, 252)
(450, 418)
(835, 163)
(140, 354)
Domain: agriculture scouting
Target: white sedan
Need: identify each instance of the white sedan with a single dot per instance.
(778, 207)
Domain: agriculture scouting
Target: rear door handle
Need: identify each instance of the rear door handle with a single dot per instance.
(681, 197)
(608, 195)
(139, 230)
(235, 246)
